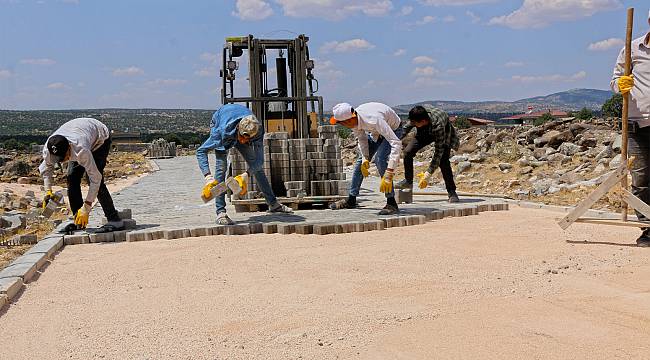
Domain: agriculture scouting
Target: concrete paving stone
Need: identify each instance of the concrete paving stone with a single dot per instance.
(119, 236)
(217, 230)
(48, 246)
(438, 214)
(76, 239)
(483, 207)
(359, 226)
(125, 214)
(4, 300)
(129, 224)
(256, 227)
(200, 231)
(25, 271)
(285, 229)
(187, 233)
(237, 229)
(40, 259)
(135, 236)
(173, 234)
(270, 228)
(403, 221)
(101, 237)
(10, 286)
(369, 226)
(420, 219)
(448, 212)
(154, 235)
(304, 229)
(324, 229)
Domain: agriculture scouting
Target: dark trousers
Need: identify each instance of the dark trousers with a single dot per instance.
(639, 147)
(445, 166)
(76, 172)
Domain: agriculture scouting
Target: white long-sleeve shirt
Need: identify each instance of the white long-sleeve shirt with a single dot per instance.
(85, 135)
(639, 109)
(378, 119)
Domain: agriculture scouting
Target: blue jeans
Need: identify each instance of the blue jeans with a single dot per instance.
(380, 149)
(254, 156)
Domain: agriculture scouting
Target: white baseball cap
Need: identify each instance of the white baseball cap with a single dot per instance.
(249, 126)
(341, 112)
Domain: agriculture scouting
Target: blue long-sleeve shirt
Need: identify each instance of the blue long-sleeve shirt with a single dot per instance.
(223, 133)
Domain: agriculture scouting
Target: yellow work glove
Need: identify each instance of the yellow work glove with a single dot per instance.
(365, 168)
(210, 182)
(81, 219)
(625, 84)
(386, 185)
(424, 179)
(242, 180)
(48, 196)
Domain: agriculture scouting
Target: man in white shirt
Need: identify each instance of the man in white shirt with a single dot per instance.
(638, 86)
(85, 143)
(378, 130)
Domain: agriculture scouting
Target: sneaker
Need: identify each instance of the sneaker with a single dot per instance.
(280, 209)
(403, 184)
(342, 204)
(389, 210)
(453, 198)
(224, 219)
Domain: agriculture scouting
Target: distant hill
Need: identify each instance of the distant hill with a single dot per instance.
(569, 100)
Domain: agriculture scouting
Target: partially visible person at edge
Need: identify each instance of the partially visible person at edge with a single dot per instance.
(432, 126)
(378, 130)
(235, 126)
(638, 87)
(85, 144)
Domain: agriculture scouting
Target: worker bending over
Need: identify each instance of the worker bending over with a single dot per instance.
(432, 126)
(378, 130)
(235, 126)
(638, 87)
(85, 143)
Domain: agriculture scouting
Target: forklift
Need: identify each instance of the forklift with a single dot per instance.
(291, 106)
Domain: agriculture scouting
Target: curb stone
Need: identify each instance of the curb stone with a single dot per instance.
(25, 271)
(10, 286)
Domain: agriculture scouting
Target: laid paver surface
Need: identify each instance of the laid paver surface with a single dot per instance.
(170, 198)
(500, 285)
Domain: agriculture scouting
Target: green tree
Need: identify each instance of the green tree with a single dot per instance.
(462, 122)
(544, 119)
(585, 114)
(614, 106)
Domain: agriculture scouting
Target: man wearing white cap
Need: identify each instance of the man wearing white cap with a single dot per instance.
(378, 130)
(638, 86)
(235, 126)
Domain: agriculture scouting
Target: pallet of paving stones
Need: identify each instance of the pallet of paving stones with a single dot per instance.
(296, 203)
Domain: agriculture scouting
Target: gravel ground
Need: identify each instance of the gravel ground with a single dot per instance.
(503, 285)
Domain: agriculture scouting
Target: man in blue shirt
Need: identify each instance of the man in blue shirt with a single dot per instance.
(235, 126)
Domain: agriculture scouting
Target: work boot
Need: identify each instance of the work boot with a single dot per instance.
(280, 209)
(224, 219)
(644, 239)
(453, 197)
(404, 184)
(389, 210)
(348, 203)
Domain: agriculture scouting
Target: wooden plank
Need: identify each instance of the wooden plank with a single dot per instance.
(626, 101)
(601, 190)
(636, 203)
(613, 222)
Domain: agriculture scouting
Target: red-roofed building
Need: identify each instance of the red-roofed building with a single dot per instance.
(473, 121)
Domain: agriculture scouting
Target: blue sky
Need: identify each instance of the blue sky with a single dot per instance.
(62, 54)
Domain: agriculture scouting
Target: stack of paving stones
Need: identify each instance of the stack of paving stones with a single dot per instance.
(24, 269)
(299, 167)
(161, 149)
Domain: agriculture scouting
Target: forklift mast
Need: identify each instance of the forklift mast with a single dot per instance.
(284, 108)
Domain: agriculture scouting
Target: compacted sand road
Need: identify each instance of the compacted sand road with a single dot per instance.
(504, 285)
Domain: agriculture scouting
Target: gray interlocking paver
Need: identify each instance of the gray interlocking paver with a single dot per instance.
(170, 199)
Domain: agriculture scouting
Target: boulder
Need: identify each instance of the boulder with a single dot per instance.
(463, 166)
(458, 158)
(616, 162)
(526, 170)
(569, 149)
(558, 158)
(505, 166)
(16, 168)
(540, 153)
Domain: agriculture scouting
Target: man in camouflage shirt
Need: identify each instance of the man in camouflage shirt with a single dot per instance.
(432, 126)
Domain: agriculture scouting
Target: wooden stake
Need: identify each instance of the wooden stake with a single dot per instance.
(626, 102)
